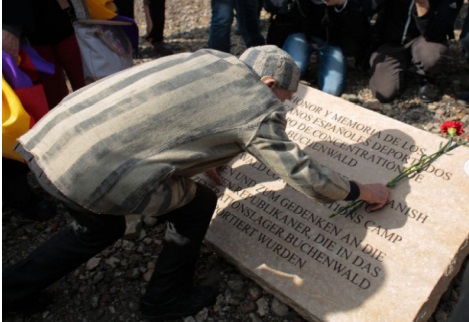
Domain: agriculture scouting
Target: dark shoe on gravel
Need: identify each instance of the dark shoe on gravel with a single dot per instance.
(184, 304)
(429, 93)
(162, 49)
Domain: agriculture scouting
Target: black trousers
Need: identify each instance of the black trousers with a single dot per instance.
(125, 8)
(91, 233)
(390, 62)
(157, 14)
(16, 191)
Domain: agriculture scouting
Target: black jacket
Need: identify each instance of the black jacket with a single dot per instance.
(43, 22)
(398, 23)
(348, 28)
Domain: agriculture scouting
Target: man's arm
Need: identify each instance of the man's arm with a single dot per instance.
(272, 146)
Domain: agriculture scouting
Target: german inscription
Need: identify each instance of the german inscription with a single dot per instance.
(359, 266)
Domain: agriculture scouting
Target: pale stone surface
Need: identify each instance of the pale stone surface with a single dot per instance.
(391, 265)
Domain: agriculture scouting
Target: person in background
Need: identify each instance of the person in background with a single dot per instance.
(333, 29)
(49, 30)
(412, 36)
(464, 44)
(125, 8)
(464, 37)
(155, 36)
(248, 22)
(45, 26)
(130, 144)
(155, 19)
(247, 15)
(24, 103)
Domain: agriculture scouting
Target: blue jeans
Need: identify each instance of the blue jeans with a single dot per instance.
(247, 13)
(220, 25)
(332, 71)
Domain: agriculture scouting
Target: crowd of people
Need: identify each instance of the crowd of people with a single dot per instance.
(389, 38)
(167, 120)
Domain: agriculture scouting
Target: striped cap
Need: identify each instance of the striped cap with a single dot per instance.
(269, 60)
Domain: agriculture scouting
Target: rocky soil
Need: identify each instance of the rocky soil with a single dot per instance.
(108, 287)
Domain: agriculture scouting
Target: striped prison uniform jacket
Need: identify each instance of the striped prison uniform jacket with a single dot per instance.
(129, 143)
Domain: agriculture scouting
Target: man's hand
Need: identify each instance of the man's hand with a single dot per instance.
(213, 174)
(10, 44)
(376, 195)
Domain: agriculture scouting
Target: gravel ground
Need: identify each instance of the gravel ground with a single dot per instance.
(108, 287)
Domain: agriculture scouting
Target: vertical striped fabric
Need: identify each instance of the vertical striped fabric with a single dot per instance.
(130, 142)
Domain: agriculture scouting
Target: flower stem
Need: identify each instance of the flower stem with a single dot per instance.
(421, 165)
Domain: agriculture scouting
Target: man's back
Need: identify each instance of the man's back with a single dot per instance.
(179, 115)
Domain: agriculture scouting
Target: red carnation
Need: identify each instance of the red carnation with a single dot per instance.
(452, 128)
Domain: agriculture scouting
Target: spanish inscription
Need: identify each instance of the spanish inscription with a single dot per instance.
(353, 267)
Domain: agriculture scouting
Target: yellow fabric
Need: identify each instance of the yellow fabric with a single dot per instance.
(101, 9)
(15, 121)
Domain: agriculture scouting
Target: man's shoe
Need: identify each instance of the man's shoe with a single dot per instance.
(184, 304)
(162, 49)
(429, 93)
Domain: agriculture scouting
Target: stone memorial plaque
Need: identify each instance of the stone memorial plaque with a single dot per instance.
(389, 265)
